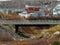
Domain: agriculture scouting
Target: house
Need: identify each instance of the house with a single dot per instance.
(32, 9)
(25, 14)
(56, 9)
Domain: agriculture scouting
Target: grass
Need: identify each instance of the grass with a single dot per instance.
(56, 43)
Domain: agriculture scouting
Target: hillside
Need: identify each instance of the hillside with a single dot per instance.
(46, 35)
(13, 16)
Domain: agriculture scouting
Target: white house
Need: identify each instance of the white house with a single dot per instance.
(56, 9)
(25, 14)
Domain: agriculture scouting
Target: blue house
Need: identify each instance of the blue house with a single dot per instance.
(41, 13)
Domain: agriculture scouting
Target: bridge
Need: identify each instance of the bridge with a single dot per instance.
(31, 22)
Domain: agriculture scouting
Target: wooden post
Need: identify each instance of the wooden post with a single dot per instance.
(16, 28)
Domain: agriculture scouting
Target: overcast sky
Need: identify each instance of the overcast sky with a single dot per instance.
(4, 0)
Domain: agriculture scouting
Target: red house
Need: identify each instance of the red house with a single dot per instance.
(31, 9)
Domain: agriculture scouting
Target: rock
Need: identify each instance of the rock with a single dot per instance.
(57, 33)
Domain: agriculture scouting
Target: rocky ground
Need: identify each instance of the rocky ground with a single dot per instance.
(46, 37)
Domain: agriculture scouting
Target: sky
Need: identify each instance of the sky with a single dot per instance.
(4, 0)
